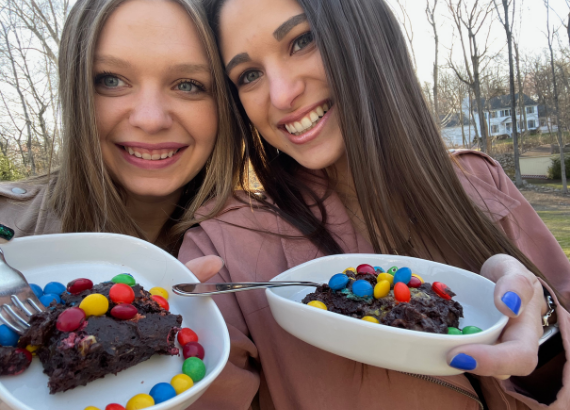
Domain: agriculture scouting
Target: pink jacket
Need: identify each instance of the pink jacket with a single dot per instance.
(290, 374)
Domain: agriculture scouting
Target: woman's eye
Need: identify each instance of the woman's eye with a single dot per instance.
(302, 41)
(109, 81)
(187, 86)
(250, 76)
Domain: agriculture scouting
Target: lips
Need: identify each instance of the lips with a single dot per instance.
(151, 156)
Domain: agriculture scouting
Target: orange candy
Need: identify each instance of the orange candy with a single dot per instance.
(402, 292)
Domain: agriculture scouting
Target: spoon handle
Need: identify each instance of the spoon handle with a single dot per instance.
(209, 289)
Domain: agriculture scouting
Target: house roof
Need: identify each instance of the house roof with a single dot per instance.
(453, 120)
(503, 102)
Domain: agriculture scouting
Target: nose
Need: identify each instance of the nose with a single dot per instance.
(150, 112)
(284, 88)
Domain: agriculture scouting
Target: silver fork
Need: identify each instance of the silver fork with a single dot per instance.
(18, 301)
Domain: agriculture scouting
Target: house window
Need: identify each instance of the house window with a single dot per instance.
(509, 126)
(530, 110)
(494, 129)
(493, 114)
(505, 113)
(531, 124)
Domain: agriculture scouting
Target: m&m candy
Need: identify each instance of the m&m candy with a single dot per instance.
(163, 303)
(338, 281)
(159, 291)
(186, 335)
(194, 368)
(381, 289)
(162, 392)
(418, 276)
(392, 271)
(124, 278)
(47, 298)
(92, 408)
(54, 288)
(318, 304)
(181, 383)
(441, 289)
(94, 304)
(37, 290)
(402, 292)
(414, 282)
(453, 331)
(362, 288)
(70, 319)
(77, 286)
(124, 311)
(370, 319)
(114, 406)
(386, 276)
(347, 270)
(193, 349)
(140, 401)
(378, 269)
(469, 330)
(8, 337)
(403, 275)
(121, 293)
(365, 269)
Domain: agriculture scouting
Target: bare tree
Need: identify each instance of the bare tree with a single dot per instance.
(408, 27)
(470, 22)
(430, 13)
(549, 36)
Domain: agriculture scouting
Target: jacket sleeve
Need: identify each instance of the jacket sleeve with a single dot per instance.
(237, 385)
(549, 385)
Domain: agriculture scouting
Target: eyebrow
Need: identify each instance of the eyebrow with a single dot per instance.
(286, 27)
(238, 59)
(114, 61)
(190, 68)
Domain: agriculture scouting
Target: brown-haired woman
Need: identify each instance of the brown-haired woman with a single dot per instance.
(351, 161)
(147, 132)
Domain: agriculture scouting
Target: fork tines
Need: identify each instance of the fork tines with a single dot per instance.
(17, 314)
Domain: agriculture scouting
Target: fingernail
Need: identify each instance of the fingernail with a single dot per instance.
(512, 301)
(463, 362)
(223, 261)
(6, 233)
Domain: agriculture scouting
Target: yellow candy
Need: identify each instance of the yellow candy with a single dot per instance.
(382, 288)
(140, 401)
(419, 277)
(353, 270)
(94, 305)
(91, 408)
(386, 276)
(181, 382)
(317, 304)
(370, 319)
(32, 349)
(159, 291)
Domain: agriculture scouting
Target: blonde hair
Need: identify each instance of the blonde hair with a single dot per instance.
(84, 195)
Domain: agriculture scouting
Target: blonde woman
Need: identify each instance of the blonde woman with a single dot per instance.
(147, 132)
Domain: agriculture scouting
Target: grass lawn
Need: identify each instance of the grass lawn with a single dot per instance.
(558, 223)
(547, 183)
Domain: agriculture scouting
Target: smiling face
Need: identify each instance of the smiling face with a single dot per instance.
(156, 117)
(271, 57)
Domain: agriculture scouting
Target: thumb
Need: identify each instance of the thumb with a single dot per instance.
(205, 267)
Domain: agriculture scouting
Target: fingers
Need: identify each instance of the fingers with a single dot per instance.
(205, 267)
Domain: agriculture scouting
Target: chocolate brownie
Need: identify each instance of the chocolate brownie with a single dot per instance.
(13, 361)
(426, 311)
(103, 344)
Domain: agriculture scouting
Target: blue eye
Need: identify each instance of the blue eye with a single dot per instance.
(302, 41)
(250, 76)
(186, 86)
(109, 81)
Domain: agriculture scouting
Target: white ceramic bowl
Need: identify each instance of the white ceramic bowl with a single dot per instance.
(379, 345)
(99, 257)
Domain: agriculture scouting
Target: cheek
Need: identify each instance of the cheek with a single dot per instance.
(204, 128)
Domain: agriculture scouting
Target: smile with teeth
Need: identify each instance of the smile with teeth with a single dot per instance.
(308, 122)
(153, 155)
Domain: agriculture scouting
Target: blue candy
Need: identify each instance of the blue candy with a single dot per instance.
(403, 275)
(162, 392)
(8, 337)
(54, 288)
(379, 269)
(338, 281)
(37, 290)
(48, 298)
(362, 288)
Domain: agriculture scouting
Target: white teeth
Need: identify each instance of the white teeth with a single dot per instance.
(165, 155)
(146, 156)
(171, 153)
(138, 154)
(289, 128)
(306, 122)
(314, 117)
(320, 111)
(298, 126)
(130, 150)
(154, 157)
(149, 156)
(325, 107)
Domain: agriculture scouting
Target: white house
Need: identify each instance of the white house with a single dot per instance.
(454, 133)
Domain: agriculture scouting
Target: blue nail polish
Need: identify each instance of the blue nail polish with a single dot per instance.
(513, 301)
(462, 361)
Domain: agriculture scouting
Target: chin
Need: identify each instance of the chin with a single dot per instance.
(154, 189)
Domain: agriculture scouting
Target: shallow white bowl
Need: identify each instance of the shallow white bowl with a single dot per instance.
(99, 257)
(379, 345)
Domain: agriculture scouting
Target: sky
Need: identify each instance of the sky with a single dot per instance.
(532, 35)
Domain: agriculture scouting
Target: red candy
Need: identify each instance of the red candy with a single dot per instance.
(414, 282)
(124, 311)
(70, 319)
(28, 357)
(161, 301)
(193, 349)
(186, 335)
(441, 289)
(114, 406)
(121, 293)
(402, 292)
(365, 269)
(79, 285)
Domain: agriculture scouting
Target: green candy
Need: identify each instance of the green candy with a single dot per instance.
(469, 330)
(392, 271)
(194, 368)
(124, 278)
(453, 331)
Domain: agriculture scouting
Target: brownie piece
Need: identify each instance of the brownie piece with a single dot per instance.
(426, 311)
(103, 344)
(12, 361)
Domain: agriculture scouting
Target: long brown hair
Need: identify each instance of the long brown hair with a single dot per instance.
(84, 196)
(395, 153)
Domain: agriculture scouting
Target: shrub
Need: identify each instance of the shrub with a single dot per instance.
(554, 171)
(8, 172)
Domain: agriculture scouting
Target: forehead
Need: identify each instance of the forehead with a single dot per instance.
(244, 22)
(159, 28)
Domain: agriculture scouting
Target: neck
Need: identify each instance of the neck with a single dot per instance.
(151, 213)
